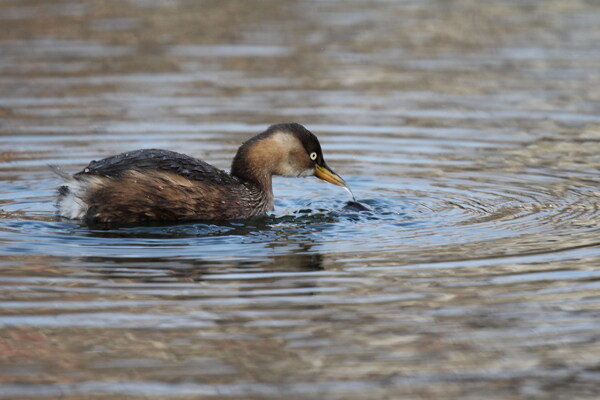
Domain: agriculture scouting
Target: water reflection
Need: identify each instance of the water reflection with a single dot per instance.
(170, 270)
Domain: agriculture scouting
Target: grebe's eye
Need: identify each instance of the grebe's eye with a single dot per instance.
(313, 156)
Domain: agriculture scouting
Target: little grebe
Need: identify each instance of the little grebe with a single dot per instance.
(161, 185)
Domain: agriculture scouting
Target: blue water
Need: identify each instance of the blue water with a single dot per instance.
(468, 132)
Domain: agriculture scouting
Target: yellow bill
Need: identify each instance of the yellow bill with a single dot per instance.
(325, 173)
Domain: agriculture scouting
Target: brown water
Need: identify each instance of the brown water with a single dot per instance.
(471, 129)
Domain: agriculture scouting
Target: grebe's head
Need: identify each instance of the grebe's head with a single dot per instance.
(283, 149)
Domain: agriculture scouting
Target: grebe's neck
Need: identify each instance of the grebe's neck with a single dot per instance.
(256, 177)
(255, 161)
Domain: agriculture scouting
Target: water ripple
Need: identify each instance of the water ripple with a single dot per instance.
(468, 134)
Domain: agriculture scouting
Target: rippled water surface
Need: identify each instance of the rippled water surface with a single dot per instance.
(470, 130)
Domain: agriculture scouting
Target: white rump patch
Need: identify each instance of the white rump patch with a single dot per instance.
(72, 204)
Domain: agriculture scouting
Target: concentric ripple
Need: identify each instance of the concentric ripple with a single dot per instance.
(490, 213)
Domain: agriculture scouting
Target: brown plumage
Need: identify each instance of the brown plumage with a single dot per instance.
(161, 185)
